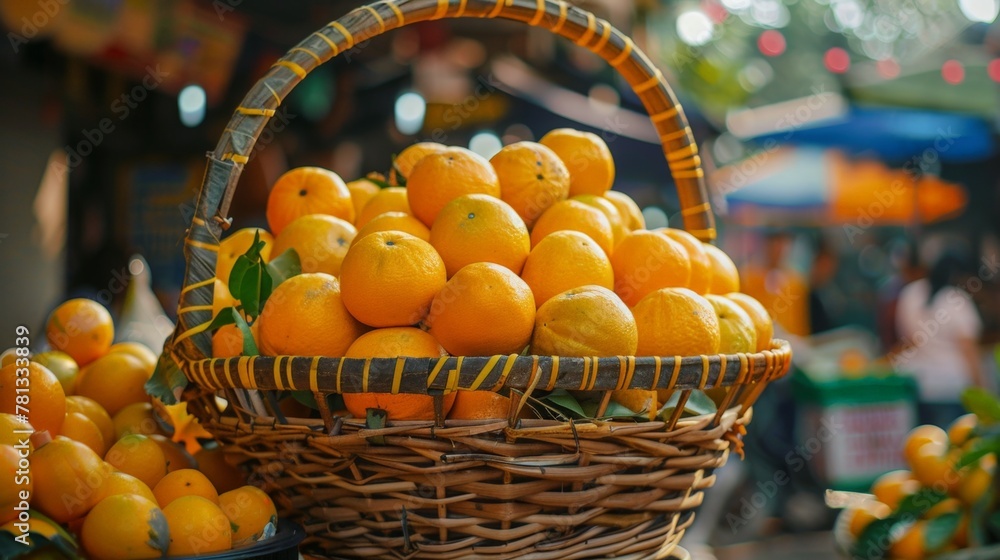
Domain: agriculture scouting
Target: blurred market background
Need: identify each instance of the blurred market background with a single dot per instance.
(848, 144)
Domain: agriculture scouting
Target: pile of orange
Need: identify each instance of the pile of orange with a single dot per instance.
(101, 465)
(459, 255)
(937, 485)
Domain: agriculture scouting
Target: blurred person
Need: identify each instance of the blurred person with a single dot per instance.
(939, 329)
(821, 274)
(908, 268)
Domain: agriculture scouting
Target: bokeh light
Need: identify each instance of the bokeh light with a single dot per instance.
(695, 28)
(191, 103)
(984, 11)
(953, 72)
(485, 144)
(411, 109)
(771, 43)
(993, 69)
(837, 60)
(887, 68)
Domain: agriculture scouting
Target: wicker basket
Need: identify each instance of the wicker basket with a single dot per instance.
(508, 488)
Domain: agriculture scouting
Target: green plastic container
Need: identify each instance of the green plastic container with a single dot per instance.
(850, 431)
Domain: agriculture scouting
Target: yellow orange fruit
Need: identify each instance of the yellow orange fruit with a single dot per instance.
(610, 211)
(9, 356)
(78, 427)
(395, 221)
(701, 266)
(10, 427)
(933, 467)
(484, 309)
(81, 328)
(440, 177)
(762, 322)
(532, 178)
(197, 526)
(676, 322)
(222, 298)
(224, 475)
(565, 260)
(177, 457)
(227, 342)
(389, 278)
(920, 436)
(480, 228)
(631, 213)
(235, 245)
(892, 487)
(321, 242)
(962, 429)
(72, 475)
(645, 261)
(575, 216)
(975, 482)
(46, 401)
(139, 350)
(859, 517)
(587, 157)
(307, 190)
(118, 483)
(402, 164)
(637, 400)
(184, 482)
(306, 316)
(114, 381)
(395, 342)
(136, 418)
(249, 510)
(392, 199)
(479, 405)
(362, 190)
(139, 456)
(62, 366)
(96, 413)
(910, 544)
(585, 321)
(737, 333)
(725, 276)
(14, 483)
(125, 527)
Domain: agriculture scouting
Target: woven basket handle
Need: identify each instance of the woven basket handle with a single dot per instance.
(237, 143)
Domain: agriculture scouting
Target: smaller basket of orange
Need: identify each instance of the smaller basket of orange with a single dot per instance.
(468, 357)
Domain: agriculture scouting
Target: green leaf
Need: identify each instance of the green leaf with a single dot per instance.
(58, 537)
(384, 184)
(226, 316)
(284, 267)
(873, 542)
(249, 346)
(919, 502)
(564, 400)
(254, 290)
(980, 448)
(981, 403)
(698, 403)
(940, 530)
(618, 410)
(240, 268)
(307, 398)
(168, 381)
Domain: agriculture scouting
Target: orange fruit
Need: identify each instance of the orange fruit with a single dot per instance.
(46, 401)
(78, 427)
(362, 190)
(221, 297)
(646, 261)
(391, 199)
(911, 543)
(701, 266)
(125, 527)
(961, 430)
(395, 221)
(224, 475)
(762, 323)
(14, 483)
(389, 278)
(236, 244)
(81, 328)
(484, 309)
(480, 228)
(184, 482)
(920, 436)
(114, 381)
(859, 517)
(197, 526)
(121, 483)
(637, 400)
(9, 426)
(139, 456)
(892, 487)
(676, 322)
(631, 213)
(305, 316)
(479, 405)
(9, 356)
(136, 418)
(585, 321)
(395, 342)
(307, 190)
(933, 467)
(725, 276)
(575, 216)
(227, 342)
(72, 474)
(96, 413)
(320, 240)
(737, 333)
(610, 211)
(587, 157)
(62, 366)
(532, 178)
(140, 350)
(976, 481)
(440, 177)
(961, 537)
(402, 164)
(249, 510)
(564, 260)
(177, 457)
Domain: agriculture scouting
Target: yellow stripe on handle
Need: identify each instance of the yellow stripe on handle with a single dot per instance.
(695, 209)
(539, 13)
(589, 33)
(506, 371)
(496, 9)
(196, 285)
(656, 372)
(314, 375)
(704, 372)
(255, 112)
(378, 18)
(202, 245)
(400, 18)
(397, 376)
(484, 373)
(348, 37)
(722, 370)
(191, 308)
(333, 46)
(553, 374)
(623, 55)
(563, 15)
(605, 36)
(442, 9)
